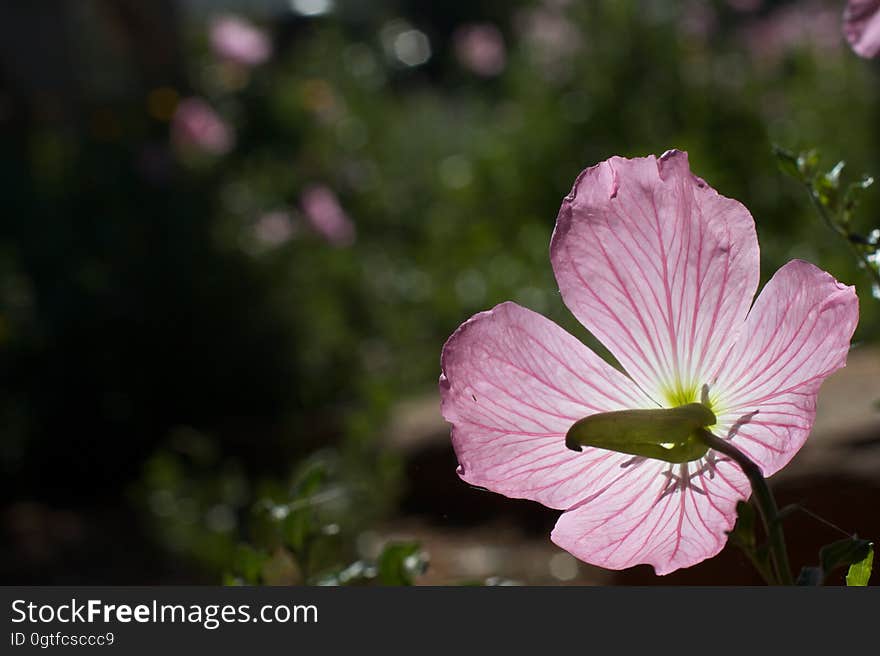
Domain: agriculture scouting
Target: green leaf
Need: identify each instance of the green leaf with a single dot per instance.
(743, 533)
(299, 524)
(843, 553)
(297, 528)
(743, 537)
(400, 562)
(231, 580)
(851, 196)
(249, 563)
(310, 480)
(787, 161)
(833, 176)
(859, 572)
(807, 162)
(668, 434)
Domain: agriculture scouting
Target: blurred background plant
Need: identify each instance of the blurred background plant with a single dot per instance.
(236, 233)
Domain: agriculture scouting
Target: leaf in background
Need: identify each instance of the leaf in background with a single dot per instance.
(807, 162)
(299, 522)
(859, 572)
(852, 195)
(833, 176)
(249, 563)
(310, 480)
(787, 161)
(743, 537)
(743, 533)
(843, 553)
(826, 186)
(297, 528)
(400, 562)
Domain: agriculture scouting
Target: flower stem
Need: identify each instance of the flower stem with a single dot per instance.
(764, 501)
(844, 232)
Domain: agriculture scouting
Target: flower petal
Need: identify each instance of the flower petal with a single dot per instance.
(658, 266)
(512, 384)
(796, 335)
(861, 26)
(668, 516)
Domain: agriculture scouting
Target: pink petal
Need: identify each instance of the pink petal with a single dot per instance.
(480, 48)
(326, 216)
(236, 39)
(861, 26)
(796, 335)
(512, 384)
(668, 516)
(658, 266)
(196, 125)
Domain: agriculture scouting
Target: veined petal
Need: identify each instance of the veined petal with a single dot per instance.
(797, 334)
(512, 384)
(659, 267)
(861, 26)
(667, 516)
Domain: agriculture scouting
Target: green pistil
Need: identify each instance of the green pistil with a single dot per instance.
(682, 395)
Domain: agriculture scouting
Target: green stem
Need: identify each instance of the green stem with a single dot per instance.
(764, 500)
(843, 232)
(767, 573)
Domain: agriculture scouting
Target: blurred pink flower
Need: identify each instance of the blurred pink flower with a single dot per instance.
(861, 26)
(196, 125)
(479, 47)
(551, 36)
(662, 269)
(237, 40)
(326, 216)
(769, 38)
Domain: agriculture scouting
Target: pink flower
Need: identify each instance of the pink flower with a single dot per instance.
(551, 36)
(237, 40)
(861, 26)
(480, 48)
(326, 216)
(196, 125)
(662, 270)
(791, 27)
(274, 228)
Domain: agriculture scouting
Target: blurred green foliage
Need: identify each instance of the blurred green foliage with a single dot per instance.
(836, 206)
(155, 339)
